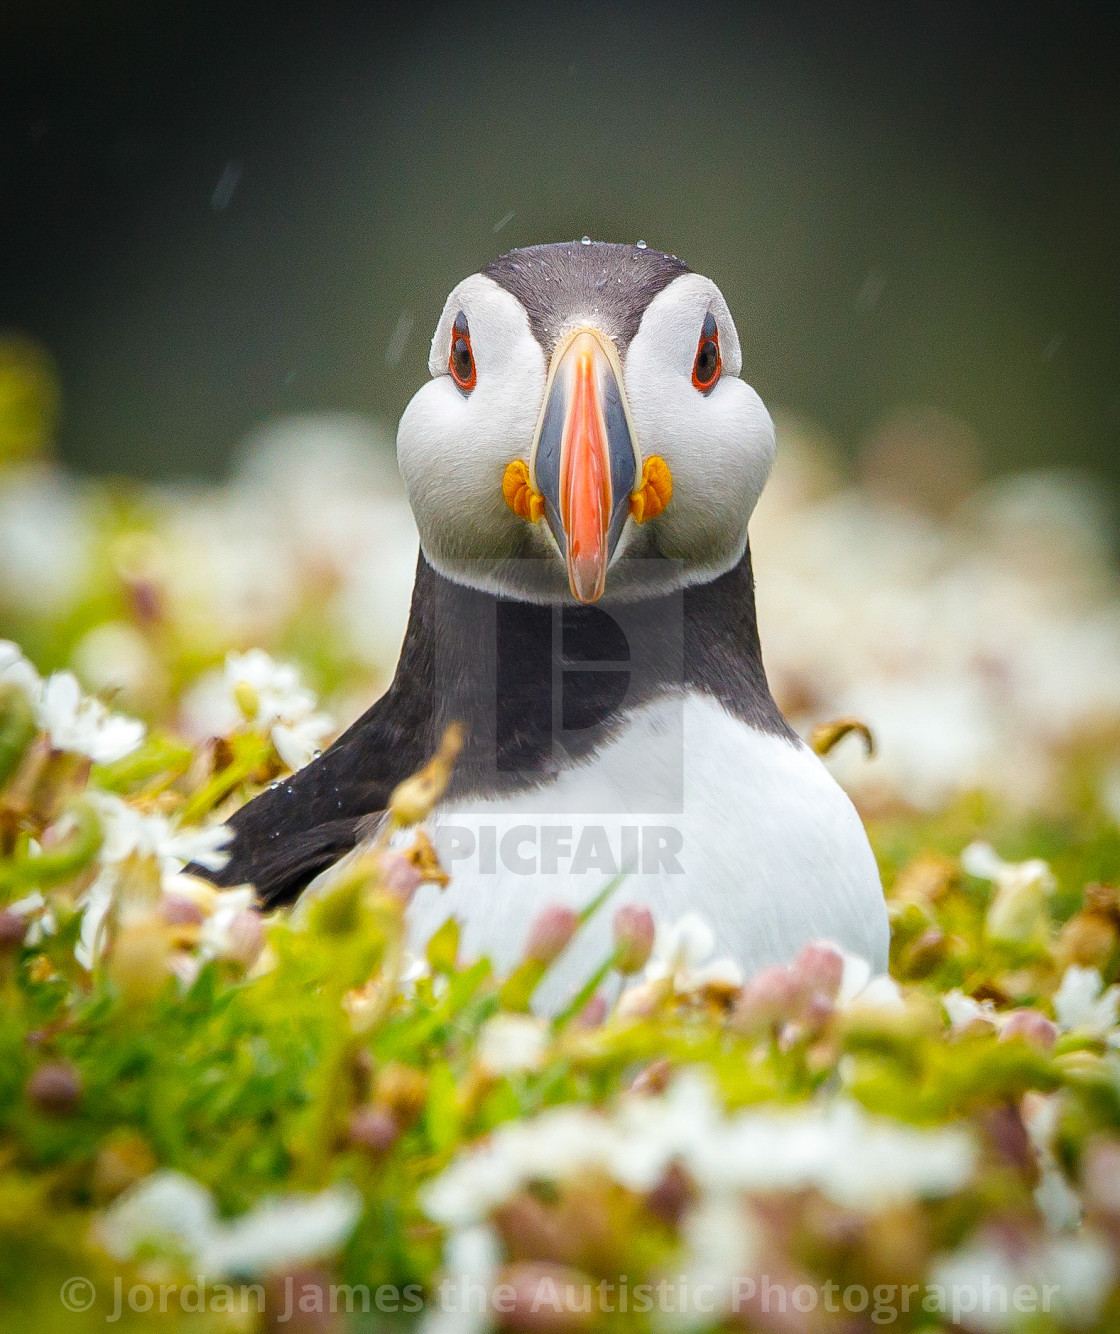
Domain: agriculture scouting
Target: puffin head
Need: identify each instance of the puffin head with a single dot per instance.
(585, 430)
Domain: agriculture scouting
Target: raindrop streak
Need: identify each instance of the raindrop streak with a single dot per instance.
(871, 293)
(1053, 347)
(227, 183)
(503, 221)
(398, 340)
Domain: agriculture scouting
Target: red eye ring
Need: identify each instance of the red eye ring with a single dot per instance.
(707, 367)
(460, 360)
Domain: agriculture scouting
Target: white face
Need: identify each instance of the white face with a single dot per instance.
(455, 444)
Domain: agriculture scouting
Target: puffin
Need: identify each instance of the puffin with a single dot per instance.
(582, 466)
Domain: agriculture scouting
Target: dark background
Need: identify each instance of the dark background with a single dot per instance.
(213, 213)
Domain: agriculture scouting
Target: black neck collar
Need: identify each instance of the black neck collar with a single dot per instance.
(539, 690)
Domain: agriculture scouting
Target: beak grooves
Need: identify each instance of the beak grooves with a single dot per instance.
(585, 462)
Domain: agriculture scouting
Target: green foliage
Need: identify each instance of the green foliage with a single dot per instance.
(307, 1056)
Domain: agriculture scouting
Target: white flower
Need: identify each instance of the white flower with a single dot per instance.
(16, 670)
(1057, 1201)
(47, 537)
(509, 1043)
(1110, 791)
(222, 933)
(558, 1143)
(270, 697)
(166, 1206)
(279, 1233)
(981, 860)
(470, 1187)
(117, 657)
(1076, 1271)
(171, 1208)
(881, 993)
(1081, 1001)
(265, 690)
(963, 1011)
(83, 725)
(41, 920)
(974, 644)
(30, 903)
(1022, 888)
(723, 1243)
(854, 978)
(682, 950)
(298, 743)
(650, 1133)
(858, 986)
(214, 938)
(129, 831)
(95, 905)
(857, 1160)
(471, 1259)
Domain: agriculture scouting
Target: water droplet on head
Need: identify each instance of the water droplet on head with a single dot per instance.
(289, 791)
(316, 754)
(641, 245)
(585, 240)
(273, 786)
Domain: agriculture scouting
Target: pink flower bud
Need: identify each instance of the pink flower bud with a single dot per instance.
(374, 1129)
(820, 966)
(146, 599)
(771, 997)
(1101, 1176)
(13, 929)
(593, 1013)
(641, 1000)
(245, 938)
(178, 910)
(55, 1088)
(543, 1298)
(1031, 1025)
(633, 938)
(1010, 1139)
(307, 1296)
(654, 1078)
(673, 1195)
(399, 874)
(550, 933)
(817, 1012)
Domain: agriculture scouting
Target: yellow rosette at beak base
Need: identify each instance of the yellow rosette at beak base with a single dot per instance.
(519, 494)
(654, 493)
(647, 502)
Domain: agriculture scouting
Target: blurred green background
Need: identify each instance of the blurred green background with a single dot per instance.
(215, 213)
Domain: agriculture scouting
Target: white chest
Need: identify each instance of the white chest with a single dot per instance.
(702, 812)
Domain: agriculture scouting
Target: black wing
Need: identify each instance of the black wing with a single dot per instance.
(296, 828)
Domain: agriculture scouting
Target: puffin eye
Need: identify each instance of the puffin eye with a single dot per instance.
(708, 363)
(461, 361)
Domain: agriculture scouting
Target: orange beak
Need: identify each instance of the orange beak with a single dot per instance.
(584, 460)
